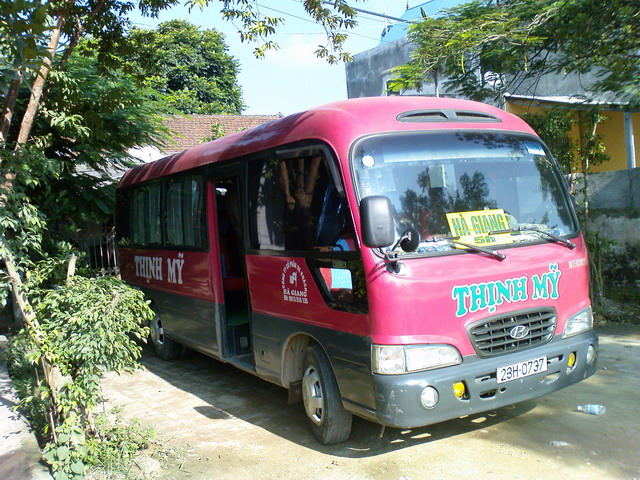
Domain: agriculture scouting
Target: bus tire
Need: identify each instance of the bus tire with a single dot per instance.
(329, 421)
(163, 346)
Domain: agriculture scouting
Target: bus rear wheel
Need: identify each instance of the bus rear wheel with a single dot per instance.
(164, 347)
(329, 421)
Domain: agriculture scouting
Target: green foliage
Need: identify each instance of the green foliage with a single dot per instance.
(256, 27)
(621, 275)
(90, 121)
(341, 17)
(553, 127)
(93, 117)
(22, 225)
(486, 48)
(25, 375)
(591, 148)
(599, 246)
(91, 325)
(67, 454)
(108, 450)
(40, 260)
(189, 66)
(23, 29)
(82, 139)
(116, 443)
(216, 132)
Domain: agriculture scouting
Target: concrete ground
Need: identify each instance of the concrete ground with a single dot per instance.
(227, 424)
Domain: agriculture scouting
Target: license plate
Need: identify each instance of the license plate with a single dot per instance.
(518, 370)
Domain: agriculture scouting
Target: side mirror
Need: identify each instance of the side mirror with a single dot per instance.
(376, 217)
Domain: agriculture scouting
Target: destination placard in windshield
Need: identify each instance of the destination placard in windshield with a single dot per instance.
(474, 227)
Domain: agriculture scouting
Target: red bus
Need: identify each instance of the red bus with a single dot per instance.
(408, 260)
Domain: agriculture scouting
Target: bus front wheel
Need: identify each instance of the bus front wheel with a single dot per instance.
(329, 421)
(164, 347)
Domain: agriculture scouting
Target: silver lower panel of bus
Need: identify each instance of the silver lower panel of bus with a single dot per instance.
(398, 397)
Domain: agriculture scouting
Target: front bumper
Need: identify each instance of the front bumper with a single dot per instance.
(398, 396)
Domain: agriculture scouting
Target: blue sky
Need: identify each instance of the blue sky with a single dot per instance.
(292, 78)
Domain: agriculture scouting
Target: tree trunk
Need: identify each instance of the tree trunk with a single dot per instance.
(9, 104)
(38, 84)
(73, 43)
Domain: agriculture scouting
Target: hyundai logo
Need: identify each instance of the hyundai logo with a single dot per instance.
(519, 332)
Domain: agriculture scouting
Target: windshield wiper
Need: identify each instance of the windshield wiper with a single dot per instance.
(567, 243)
(476, 248)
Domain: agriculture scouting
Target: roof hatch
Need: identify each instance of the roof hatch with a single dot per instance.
(430, 116)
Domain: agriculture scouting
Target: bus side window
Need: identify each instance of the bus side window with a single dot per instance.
(332, 220)
(145, 215)
(338, 282)
(185, 219)
(296, 206)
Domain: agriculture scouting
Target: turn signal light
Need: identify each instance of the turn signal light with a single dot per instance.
(572, 359)
(459, 389)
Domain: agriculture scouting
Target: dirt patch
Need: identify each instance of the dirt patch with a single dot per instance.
(228, 424)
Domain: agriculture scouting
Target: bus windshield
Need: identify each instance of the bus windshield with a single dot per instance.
(480, 188)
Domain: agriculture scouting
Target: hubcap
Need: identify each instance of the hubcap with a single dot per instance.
(312, 395)
(157, 332)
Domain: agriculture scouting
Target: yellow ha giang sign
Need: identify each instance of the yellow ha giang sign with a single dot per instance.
(475, 227)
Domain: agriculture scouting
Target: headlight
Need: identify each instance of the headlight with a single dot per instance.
(397, 359)
(580, 322)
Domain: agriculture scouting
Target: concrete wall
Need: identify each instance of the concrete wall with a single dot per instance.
(621, 229)
(366, 74)
(618, 189)
(619, 193)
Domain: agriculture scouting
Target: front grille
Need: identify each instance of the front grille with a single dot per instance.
(493, 336)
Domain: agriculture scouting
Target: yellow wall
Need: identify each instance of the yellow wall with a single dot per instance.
(612, 131)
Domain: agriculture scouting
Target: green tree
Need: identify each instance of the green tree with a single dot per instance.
(554, 126)
(84, 110)
(87, 125)
(486, 48)
(256, 27)
(191, 67)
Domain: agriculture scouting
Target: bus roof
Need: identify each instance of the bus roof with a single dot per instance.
(338, 124)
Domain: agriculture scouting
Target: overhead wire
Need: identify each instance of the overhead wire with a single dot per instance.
(304, 19)
(350, 32)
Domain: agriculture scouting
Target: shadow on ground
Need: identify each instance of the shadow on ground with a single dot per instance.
(231, 393)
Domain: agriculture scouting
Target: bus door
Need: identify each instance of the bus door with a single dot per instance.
(235, 325)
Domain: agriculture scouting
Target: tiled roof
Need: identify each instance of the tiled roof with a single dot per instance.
(193, 129)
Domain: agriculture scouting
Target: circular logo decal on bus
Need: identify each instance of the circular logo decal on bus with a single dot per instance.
(294, 283)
